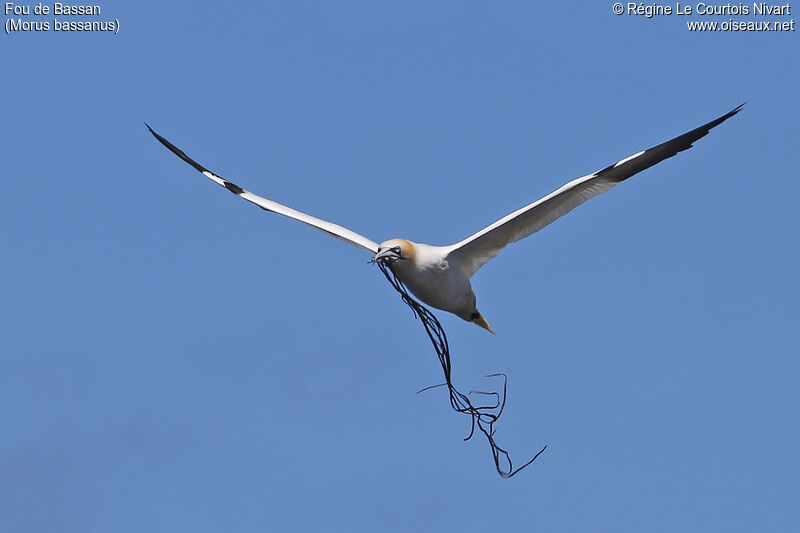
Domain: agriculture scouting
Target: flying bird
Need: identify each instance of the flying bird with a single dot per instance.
(440, 275)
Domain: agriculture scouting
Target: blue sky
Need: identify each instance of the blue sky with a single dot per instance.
(172, 358)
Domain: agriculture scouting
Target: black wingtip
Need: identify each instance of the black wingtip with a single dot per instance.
(704, 129)
(175, 150)
(736, 109)
(652, 156)
(152, 132)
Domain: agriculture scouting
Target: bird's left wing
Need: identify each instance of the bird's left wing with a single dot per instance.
(330, 228)
(474, 251)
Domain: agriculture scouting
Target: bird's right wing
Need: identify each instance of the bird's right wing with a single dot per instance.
(474, 251)
(330, 228)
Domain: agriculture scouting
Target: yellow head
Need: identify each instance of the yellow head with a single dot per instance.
(395, 250)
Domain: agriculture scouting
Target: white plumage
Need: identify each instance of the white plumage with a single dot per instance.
(440, 275)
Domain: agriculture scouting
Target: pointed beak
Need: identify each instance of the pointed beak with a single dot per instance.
(385, 256)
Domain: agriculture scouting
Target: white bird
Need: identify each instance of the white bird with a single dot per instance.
(440, 275)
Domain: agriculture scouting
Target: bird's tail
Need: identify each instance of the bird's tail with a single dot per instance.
(482, 322)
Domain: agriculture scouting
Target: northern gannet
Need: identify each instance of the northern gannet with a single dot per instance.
(440, 275)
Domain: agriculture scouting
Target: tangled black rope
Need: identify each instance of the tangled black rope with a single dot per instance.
(483, 417)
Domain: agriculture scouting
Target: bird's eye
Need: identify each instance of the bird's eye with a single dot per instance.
(397, 250)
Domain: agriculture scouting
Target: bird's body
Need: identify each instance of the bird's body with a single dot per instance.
(435, 277)
(440, 275)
